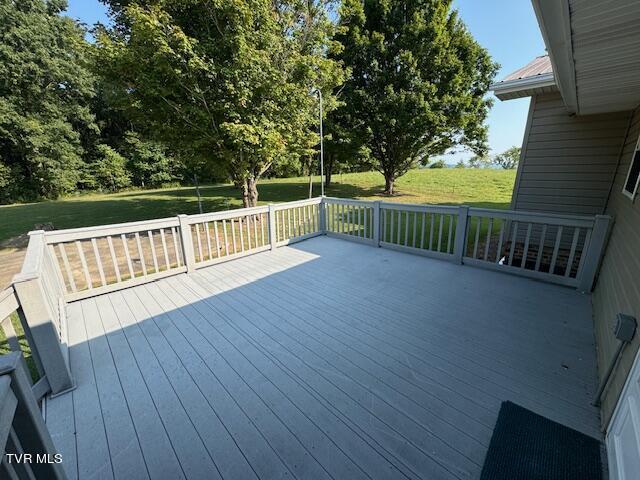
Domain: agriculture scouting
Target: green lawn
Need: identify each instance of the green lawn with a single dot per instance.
(24, 345)
(487, 188)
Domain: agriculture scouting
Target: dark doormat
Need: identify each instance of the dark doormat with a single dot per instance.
(526, 446)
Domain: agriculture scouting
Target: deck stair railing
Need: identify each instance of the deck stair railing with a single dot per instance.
(22, 428)
(28, 450)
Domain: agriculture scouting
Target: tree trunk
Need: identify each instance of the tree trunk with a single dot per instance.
(310, 177)
(388, 184)
(253, 192)
(195, 182)
(249, 189)
(328, 169)
(244, 187)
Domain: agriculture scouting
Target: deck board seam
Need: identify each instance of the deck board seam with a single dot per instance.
(355, 271)
(198, 386)
(401, 410)
(402, 289)
(127, 400)
(243, 410)
(400, 298)
(170, 383)
(337, 319)
(529, 387)
(553, 291)
(93, 371)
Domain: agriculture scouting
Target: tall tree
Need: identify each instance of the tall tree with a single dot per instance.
(45, 93)
(226, 84)
(418, 81)
(508, 159)
(343, 149)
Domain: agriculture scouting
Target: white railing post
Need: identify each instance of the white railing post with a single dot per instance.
(273, 237)
(593, 253)
(24, 428)
(375, 223)
(187, 243)
(323, 215)
(40, 315)
(461, 234)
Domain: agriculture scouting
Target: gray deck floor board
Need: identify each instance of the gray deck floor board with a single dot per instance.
(326, 359)
(343, 437)
(513, 379)
(155, 443)
(410, 311)
(302, 322)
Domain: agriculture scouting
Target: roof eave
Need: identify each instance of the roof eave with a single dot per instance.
(522, 87)
(555, 24)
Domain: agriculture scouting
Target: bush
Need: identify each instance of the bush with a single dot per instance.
(108, 172)
(149, 163)
(438, 164)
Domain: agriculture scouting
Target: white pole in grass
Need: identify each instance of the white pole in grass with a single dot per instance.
(317, 90)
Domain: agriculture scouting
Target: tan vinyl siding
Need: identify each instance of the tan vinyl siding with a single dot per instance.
(567, 162)
(618, 285)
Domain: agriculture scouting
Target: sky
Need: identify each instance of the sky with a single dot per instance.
(506, 28)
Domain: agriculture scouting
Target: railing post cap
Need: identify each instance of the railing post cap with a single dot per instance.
(36, 232)
(23, 277)
(181, 215)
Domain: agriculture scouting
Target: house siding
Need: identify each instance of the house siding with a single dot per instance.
(618, 284)
(567, 163)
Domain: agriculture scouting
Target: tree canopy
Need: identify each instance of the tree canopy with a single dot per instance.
(229, 82)
(418, 81)
(45, 92)
(226, 90)
(508, 159)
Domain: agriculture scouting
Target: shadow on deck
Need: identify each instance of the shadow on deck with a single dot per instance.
(327, 359)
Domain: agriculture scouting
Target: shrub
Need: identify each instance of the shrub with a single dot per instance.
(108, 171)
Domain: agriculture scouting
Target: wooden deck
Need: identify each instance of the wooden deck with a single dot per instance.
(326, 359)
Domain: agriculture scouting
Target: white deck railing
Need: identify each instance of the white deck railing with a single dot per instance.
(90, 261)
(22, 428)
(67, 265)
(95, 260)
(563, 249)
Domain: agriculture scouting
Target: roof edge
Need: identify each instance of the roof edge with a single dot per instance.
(510, 87)
(554, 20)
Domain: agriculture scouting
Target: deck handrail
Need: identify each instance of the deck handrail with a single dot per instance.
(558, 248)
(40, 294)
(91, 261)
(95, 260)
(22, 428)
(10, 312)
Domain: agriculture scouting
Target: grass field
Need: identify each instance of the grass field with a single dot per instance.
(487, 188)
